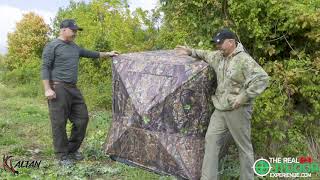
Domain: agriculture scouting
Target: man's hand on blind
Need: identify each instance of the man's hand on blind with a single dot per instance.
(109, 54)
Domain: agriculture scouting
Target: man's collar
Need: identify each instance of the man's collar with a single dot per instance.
(236, 51)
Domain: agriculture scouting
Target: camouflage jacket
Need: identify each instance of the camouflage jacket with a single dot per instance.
(238, 76)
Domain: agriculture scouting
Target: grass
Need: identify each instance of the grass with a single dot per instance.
(25, 133)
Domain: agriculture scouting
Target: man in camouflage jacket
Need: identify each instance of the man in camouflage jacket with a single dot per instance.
(240, 79)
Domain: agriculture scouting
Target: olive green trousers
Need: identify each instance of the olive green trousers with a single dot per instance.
(69, 104)
(238, 123)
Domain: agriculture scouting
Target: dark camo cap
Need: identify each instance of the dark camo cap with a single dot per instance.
(71, 24)
(222, 35)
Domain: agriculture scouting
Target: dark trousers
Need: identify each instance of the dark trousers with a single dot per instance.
(68, 104)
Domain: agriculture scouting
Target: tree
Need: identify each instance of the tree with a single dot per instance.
(267, 28)
(27, 41)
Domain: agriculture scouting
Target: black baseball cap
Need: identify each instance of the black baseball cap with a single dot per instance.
(71, 24)
(222, 35)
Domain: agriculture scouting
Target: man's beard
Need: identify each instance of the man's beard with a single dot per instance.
(71, 38)
(224, 52)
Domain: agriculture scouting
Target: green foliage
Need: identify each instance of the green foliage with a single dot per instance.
(276, 29)
(193, 21)
(229, 165)
(27, 73)
(2, 65)
(25, 44)
(288, 112)
(101, 121)
(268, 28)
(1, 59)
(21, 65)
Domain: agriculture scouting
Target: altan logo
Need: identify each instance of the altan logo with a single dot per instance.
(7, 165)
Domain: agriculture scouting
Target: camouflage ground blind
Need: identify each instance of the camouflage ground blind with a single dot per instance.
(161, 110)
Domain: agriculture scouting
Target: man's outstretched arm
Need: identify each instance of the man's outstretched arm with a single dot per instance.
(95, 54)
(211, 57)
